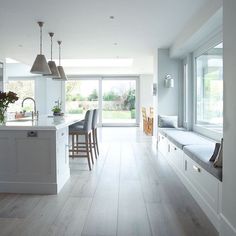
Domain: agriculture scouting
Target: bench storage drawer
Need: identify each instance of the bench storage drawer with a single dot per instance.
(162, 144)
(206, 185)
(176, 156)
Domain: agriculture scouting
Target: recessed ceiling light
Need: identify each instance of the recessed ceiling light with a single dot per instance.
(112, 17)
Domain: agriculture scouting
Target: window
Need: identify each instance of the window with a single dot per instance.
(81, 95)
(23, 89)
(209, 88)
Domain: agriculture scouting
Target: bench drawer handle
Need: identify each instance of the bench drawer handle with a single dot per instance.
(196, 168)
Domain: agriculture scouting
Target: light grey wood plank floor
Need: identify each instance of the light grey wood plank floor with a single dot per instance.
(131, 191)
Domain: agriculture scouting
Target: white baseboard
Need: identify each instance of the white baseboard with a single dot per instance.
(226, 228)
(30, 188)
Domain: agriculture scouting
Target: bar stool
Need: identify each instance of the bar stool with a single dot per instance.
(78, 147)
(94, 132)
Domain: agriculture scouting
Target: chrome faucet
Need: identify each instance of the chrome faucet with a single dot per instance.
(35, 113)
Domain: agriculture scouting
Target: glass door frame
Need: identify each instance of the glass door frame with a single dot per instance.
(137, 103)
(100, 97)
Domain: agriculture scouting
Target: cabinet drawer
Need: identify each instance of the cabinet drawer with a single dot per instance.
(62, 133)
(204, 183)
(162, 144)
(176, 157)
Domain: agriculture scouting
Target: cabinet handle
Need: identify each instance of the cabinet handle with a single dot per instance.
(62, 134)
(196, 168)
(175, 148)
(186, 165)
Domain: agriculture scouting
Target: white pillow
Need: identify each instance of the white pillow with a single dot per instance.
(168, 121)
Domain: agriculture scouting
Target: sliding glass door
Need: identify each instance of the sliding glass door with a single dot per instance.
(116, 98)
(118, 101)
(81, 95)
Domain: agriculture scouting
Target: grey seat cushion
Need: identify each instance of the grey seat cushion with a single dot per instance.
(164, 130)
(201, 154)
(184, 138)
(76, 127)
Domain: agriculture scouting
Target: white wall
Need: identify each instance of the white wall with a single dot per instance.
(199, 29)
(146, 95)
(169, 99)
(53, 93)
(228, 226)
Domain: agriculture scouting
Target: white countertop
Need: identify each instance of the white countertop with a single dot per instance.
(43, 123)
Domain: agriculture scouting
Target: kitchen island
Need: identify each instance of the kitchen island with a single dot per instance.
(34, 155)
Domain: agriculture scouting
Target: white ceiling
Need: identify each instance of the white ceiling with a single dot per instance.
(85, 27)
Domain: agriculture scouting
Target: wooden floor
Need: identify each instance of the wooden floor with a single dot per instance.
(130, 191)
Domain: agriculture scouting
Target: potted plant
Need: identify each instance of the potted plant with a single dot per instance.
(57, 109)
(5, 99)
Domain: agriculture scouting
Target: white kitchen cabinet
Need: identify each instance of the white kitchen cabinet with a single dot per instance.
(34, 156)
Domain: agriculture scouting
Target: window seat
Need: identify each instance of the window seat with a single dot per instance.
(188, 154)
(201, 155)
(195, 146)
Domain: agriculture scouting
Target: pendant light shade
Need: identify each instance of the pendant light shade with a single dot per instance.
(62, 73)
(40, 65)
(60, 68)
(52, 64)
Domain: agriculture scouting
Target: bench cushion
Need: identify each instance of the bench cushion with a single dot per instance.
(201, 154)
(163, 130)
(184, 138)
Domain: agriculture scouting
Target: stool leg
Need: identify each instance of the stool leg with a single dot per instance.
(96, 138)
(73, 146)
(94, 143)
(90, 145)
(87, 150)
(77, 145)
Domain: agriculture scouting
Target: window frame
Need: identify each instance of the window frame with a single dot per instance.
(206, 131)
(185, 93)
(10, 79)
(100, 78)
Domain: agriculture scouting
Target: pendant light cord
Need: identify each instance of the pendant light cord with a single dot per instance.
(51, 48)
(40, 23)
(59, 43)
(41, 40)
(59, 54)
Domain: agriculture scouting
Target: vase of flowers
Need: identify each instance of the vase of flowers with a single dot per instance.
(5, 99)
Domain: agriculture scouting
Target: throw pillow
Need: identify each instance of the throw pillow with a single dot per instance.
(216, 151)
(219, 159)
(168, 121)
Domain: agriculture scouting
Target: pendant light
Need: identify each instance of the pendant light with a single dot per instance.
(60, 68)
(52, 64)
(40, 65)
